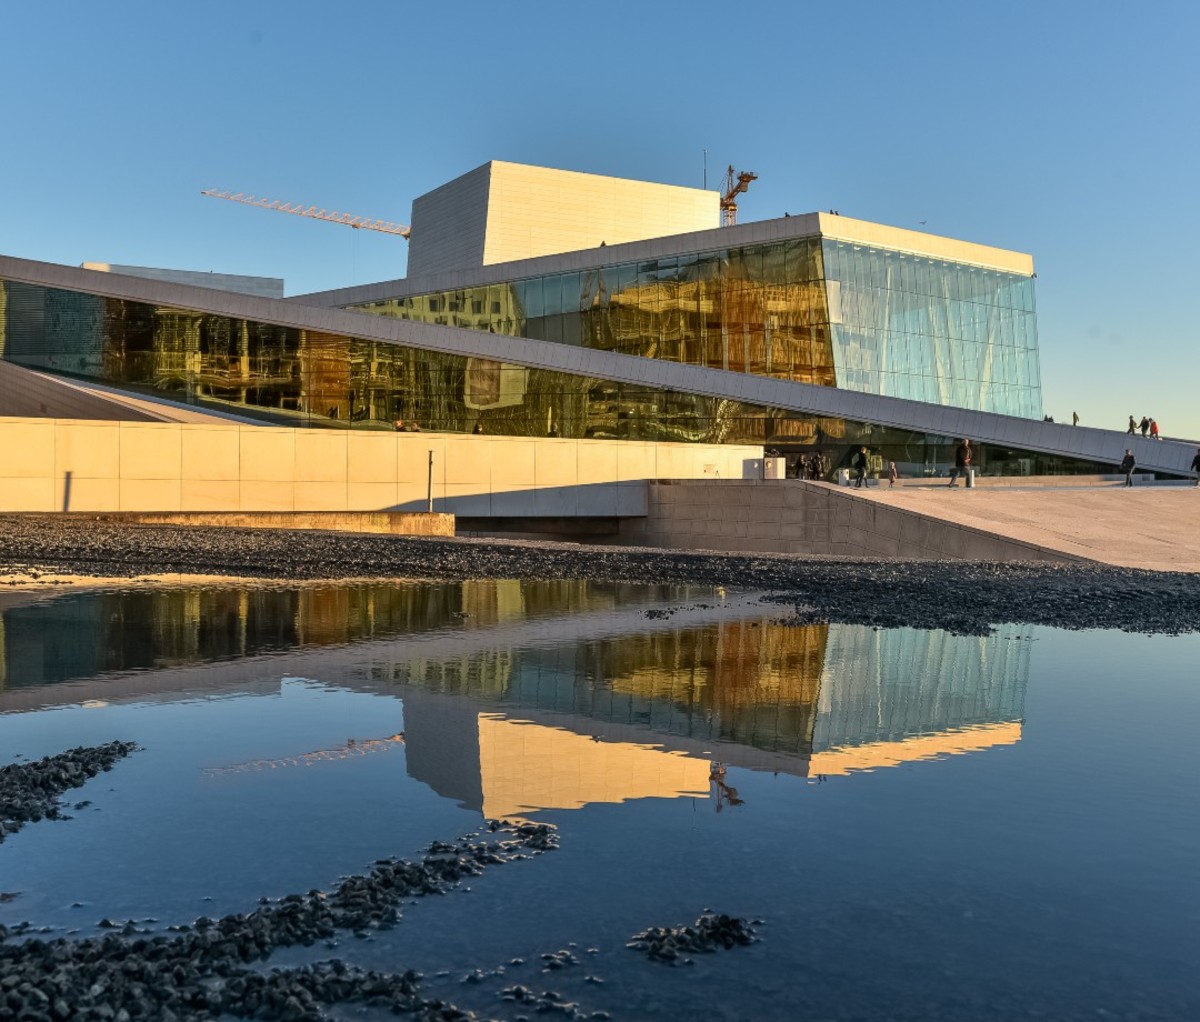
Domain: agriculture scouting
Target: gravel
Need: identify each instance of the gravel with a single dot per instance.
(208, 968)
(965, 597)
(30, 792)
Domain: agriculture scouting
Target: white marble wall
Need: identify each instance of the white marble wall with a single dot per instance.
(83, 465)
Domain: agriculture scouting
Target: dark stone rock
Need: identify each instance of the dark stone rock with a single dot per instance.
(710, 932)
(29, 792)
(208, 969)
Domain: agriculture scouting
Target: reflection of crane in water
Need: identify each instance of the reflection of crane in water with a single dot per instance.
(724, 792)
(353, 747)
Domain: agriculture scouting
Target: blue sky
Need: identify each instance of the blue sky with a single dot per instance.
(1064, 130)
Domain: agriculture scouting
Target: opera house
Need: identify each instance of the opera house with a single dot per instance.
(556, 330)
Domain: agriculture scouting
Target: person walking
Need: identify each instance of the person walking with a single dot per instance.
(860, 468)
(1074, 418)
(1127, 466)
(1144, 425)
(893, 475)
(962, 460)
(1132, 426)
(1154, 430)
(1196, 466)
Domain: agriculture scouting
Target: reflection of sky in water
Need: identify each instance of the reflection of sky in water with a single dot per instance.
(1048, 860)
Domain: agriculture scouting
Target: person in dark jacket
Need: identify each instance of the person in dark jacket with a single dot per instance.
(1196, 466)
(962, 460)
(1127, 466)
(860, 468)
(1132, 426)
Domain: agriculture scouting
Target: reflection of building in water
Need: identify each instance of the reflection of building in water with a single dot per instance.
(46, 639)
(607, 720)
(504, 767)
(526, 695)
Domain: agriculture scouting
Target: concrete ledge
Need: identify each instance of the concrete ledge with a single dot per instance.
(797, 517)
(392, 523)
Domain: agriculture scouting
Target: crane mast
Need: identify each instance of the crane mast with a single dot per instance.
(357, 222)
(734, 186)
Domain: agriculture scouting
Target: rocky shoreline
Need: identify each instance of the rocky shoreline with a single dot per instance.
(213, 968)
(960, 596)
(208, 968)
(29, 792)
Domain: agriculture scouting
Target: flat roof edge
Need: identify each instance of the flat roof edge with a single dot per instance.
(826, 225)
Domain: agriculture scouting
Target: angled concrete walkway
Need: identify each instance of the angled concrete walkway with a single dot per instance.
(1152, 527)
(1155, 527)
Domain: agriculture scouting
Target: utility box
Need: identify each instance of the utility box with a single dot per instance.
(843, 477)
(774, 468)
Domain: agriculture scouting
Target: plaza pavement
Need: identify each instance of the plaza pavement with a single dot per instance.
(1154, 526)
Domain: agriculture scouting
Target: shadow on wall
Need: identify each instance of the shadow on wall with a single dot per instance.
(628, 498)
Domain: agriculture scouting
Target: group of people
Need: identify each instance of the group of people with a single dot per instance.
(1148, 427)
(812, 466)
(407, 427)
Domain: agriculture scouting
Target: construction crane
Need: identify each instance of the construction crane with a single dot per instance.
(734, 188)
(357, 222)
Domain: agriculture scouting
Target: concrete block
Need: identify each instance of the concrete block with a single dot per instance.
(321, 457)
(367, 496)
(558, 500)
(267, 455)
(213, 454)
(371, 457)
(475, 501)
(86, 450)
(640, 461)
(631, 498)
(515, 462)
(603, 498)
(28, 449)
(261, 495)
(412, 458)
(151, 494)
(310, 496)
(480, 463)
(209, 494)
(951, 540)
(411, 498)
(90, 494)
(151, 451)
(556, 463)
(30, 494)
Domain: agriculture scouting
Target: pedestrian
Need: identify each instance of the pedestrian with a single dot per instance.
(1144, 425)
(860, 468)
(478, 428)
(962, 460)
(1132, 426)
(1127, 466)
(1154, 430)
(893, 474)
(1196, 466)
(1074, 418)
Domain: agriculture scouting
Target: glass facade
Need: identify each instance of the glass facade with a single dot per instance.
(289, 376)
(809, 310)
(929, 330)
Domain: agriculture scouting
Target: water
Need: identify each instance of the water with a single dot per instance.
(928, 825)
